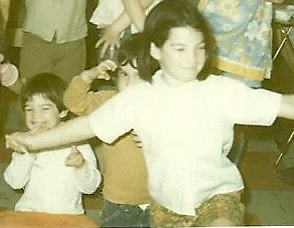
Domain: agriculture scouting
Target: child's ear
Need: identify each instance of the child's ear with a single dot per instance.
(154, 51)
(63, 114)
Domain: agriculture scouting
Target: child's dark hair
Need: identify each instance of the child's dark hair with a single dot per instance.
(126, 54)
(47, 85)
(129, 51)
(162, 18)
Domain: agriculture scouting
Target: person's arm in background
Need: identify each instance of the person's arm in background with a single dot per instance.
(78, 97)
(134, 13)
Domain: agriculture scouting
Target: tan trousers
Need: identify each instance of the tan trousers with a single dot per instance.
(38, 56)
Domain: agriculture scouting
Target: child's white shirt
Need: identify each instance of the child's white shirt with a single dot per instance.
(49, 185)
(186, 134)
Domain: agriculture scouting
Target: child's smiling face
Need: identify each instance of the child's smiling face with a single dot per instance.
(40, 111)
(182, 56)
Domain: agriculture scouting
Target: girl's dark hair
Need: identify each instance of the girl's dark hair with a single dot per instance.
(47, 85)
(162, 18)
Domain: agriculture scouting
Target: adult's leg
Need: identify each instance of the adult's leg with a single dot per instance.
(69, 59)
(35, 56)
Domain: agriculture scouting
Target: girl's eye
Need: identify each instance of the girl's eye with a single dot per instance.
(179, 49)
(201, 46)
(46, 108)
(28, 109)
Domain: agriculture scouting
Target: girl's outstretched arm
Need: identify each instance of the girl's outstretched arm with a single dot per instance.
(74, 130)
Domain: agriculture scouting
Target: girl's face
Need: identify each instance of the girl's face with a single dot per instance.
(126, 76)
(182, 56)
(40, 111)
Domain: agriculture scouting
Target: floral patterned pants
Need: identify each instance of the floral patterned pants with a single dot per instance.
(227, 206)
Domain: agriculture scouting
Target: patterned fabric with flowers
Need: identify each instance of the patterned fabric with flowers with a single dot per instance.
(243, 35)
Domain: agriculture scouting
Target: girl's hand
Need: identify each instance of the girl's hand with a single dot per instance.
(109, 40)
(21, 141)
(100, 71)
(75, 158)
(18, 142)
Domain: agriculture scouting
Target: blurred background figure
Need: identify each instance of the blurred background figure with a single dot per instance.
(243, 45)
(57, 44)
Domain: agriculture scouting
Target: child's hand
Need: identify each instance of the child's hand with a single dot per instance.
(103, 68)
(9, 72)
(100, 71)
(18, 142)
(75, 158)
(109, 40)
